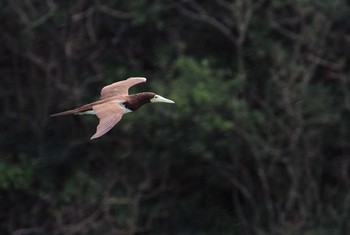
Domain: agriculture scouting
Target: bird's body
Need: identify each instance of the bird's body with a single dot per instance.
(114, 103)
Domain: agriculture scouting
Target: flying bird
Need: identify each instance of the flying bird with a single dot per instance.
(114, 102)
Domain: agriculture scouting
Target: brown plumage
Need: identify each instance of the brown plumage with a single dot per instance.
(114, 102)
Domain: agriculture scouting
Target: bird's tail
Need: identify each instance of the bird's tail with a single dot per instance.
(74, 111)
(83, 108)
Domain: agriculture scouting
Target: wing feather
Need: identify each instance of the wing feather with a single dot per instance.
(121, 87)
(109, 114)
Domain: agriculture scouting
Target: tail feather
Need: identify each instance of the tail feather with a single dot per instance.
(84, 107)
(72, 111)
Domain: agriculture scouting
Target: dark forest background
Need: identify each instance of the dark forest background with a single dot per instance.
(258, 141)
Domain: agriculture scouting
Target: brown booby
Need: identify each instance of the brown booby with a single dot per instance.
(114, 102)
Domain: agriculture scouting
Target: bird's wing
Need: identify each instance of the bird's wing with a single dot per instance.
(120, 88)
(109, 114)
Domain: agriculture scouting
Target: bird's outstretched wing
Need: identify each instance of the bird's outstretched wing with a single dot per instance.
(109, 114)
(120, 88)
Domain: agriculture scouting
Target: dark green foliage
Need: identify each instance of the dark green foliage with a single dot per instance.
(257, 142)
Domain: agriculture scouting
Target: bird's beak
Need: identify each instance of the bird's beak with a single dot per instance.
(160, 99)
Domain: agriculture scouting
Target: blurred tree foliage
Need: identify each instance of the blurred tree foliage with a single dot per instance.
(257, 142)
